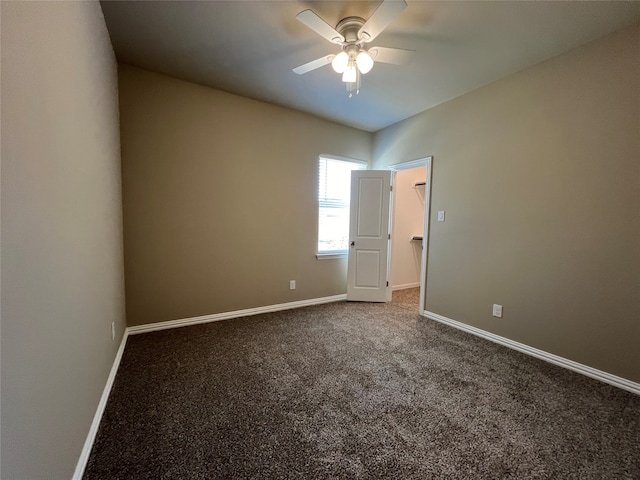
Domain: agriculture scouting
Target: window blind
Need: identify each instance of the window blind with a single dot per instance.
(334, 199)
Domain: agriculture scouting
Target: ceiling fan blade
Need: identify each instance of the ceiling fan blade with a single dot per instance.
(318, 25)
(384, 14)
(317, 63)
(397, 56)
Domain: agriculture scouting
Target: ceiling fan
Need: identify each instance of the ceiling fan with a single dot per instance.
(352, 33)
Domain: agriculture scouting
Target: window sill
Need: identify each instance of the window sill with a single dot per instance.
(331, 256)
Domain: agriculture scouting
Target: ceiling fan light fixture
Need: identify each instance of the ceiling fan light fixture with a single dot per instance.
(349, 75)
(352, 33)
(340, 62)
(364, 62)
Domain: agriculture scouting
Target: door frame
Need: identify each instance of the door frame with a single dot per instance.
(420, 162)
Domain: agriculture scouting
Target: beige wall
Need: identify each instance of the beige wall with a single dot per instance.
(539, 174)
(62, 268)
(408, 221)
(220, 199)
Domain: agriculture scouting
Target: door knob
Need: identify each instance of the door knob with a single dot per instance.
(353, 243)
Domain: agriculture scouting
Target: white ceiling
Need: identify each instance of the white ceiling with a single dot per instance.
(249, 48)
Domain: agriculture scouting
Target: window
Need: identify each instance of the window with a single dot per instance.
(333, 200)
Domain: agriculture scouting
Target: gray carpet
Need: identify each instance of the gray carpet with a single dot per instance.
(355, 390)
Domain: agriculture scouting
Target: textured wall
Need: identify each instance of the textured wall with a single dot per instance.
(62, 268)
(220, 199)
(539, 174)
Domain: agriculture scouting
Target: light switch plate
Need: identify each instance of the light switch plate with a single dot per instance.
(441, 215)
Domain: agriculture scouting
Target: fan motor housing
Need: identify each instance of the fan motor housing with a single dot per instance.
(349, 27)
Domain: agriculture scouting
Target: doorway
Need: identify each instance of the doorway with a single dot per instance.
(409, 218)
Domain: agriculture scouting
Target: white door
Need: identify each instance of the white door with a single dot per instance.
(367, 273)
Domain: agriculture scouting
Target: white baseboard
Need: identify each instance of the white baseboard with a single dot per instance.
(216, 317)
(405, 286)
(605, 377)
(93, 430)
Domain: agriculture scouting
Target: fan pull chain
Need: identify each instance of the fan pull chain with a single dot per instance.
(351, 86)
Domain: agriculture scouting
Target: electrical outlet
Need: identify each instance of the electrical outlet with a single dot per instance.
(292, 284)
(497, 310)
(113, 330)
